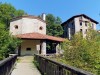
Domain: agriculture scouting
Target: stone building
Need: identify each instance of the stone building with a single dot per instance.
(78, 23)
(32, 31)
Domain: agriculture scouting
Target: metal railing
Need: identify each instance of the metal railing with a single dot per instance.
(50, 67)
(7, 65)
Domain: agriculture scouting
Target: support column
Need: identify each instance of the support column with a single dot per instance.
(43, 46)
(57, 49)
(38, 48)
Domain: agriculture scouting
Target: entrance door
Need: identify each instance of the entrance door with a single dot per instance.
(29, 51)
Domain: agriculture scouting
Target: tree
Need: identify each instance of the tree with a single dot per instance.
(8, 43)
(7, 12)
(82, 52)
(19, 13)
(54, 25)
(53, 28)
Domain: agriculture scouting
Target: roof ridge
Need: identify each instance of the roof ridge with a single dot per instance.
(78, 16)
(28, 16)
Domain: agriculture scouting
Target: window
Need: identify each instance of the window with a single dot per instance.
(41, 28)
(28, 49)
(81, 30)
(80, 23)
(72, 23)
(73, 26)
(16, 26)
(85, 23)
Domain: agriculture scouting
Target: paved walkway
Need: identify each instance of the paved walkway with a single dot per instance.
(25, 67)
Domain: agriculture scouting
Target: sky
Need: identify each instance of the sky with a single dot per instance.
(61, 8)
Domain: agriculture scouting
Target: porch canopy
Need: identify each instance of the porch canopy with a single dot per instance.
(39, 36)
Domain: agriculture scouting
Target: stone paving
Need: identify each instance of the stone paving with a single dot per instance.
(25, 66)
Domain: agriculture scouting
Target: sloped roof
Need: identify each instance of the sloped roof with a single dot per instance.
(39, 36)
(28, 16)
(79, 16)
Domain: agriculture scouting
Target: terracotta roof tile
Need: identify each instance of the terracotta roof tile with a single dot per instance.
(39, 36)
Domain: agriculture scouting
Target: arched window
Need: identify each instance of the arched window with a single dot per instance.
(16, 26)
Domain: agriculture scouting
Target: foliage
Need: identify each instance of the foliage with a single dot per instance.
(54, 25)
(53, 28)
(83, 52)
(7, 12)
(8, 43)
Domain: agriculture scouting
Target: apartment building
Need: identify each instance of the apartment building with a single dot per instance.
(78, 23)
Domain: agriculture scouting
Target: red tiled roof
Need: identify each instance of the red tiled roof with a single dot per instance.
(39, 36)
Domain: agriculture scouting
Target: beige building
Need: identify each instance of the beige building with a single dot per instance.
(32, 31)
(78, 23)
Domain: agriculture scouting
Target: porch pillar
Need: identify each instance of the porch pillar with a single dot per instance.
(58, 48)
(43, 48)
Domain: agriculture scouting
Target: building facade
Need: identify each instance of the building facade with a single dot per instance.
(78, 23)
(32, 31)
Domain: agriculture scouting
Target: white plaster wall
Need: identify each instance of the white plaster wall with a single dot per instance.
(29, 44)
(94, 26)
(27, 25)
(14, 31)
(32, 25)
(83, 27)
(77, 24)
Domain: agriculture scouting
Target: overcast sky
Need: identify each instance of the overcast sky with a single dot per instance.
(62, 8)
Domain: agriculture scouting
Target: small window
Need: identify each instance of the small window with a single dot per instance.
(80, 23)
(16, 26)
(85, 23)
(73, 26)
(28, 49)
(72, 23)
(41, 28)
(81, 30)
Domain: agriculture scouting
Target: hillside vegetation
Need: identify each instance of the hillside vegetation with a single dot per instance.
(82, 52)
(7, 42)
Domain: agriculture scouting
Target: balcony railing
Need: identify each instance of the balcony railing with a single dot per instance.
(50, 67)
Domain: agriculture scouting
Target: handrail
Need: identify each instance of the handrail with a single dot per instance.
(7, 65)
(51, 67)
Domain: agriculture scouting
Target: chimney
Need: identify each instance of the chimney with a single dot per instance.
(44, 16)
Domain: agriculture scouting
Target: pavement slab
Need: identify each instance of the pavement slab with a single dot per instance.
(25, 67)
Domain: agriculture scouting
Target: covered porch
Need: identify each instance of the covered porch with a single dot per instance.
(35, 43)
